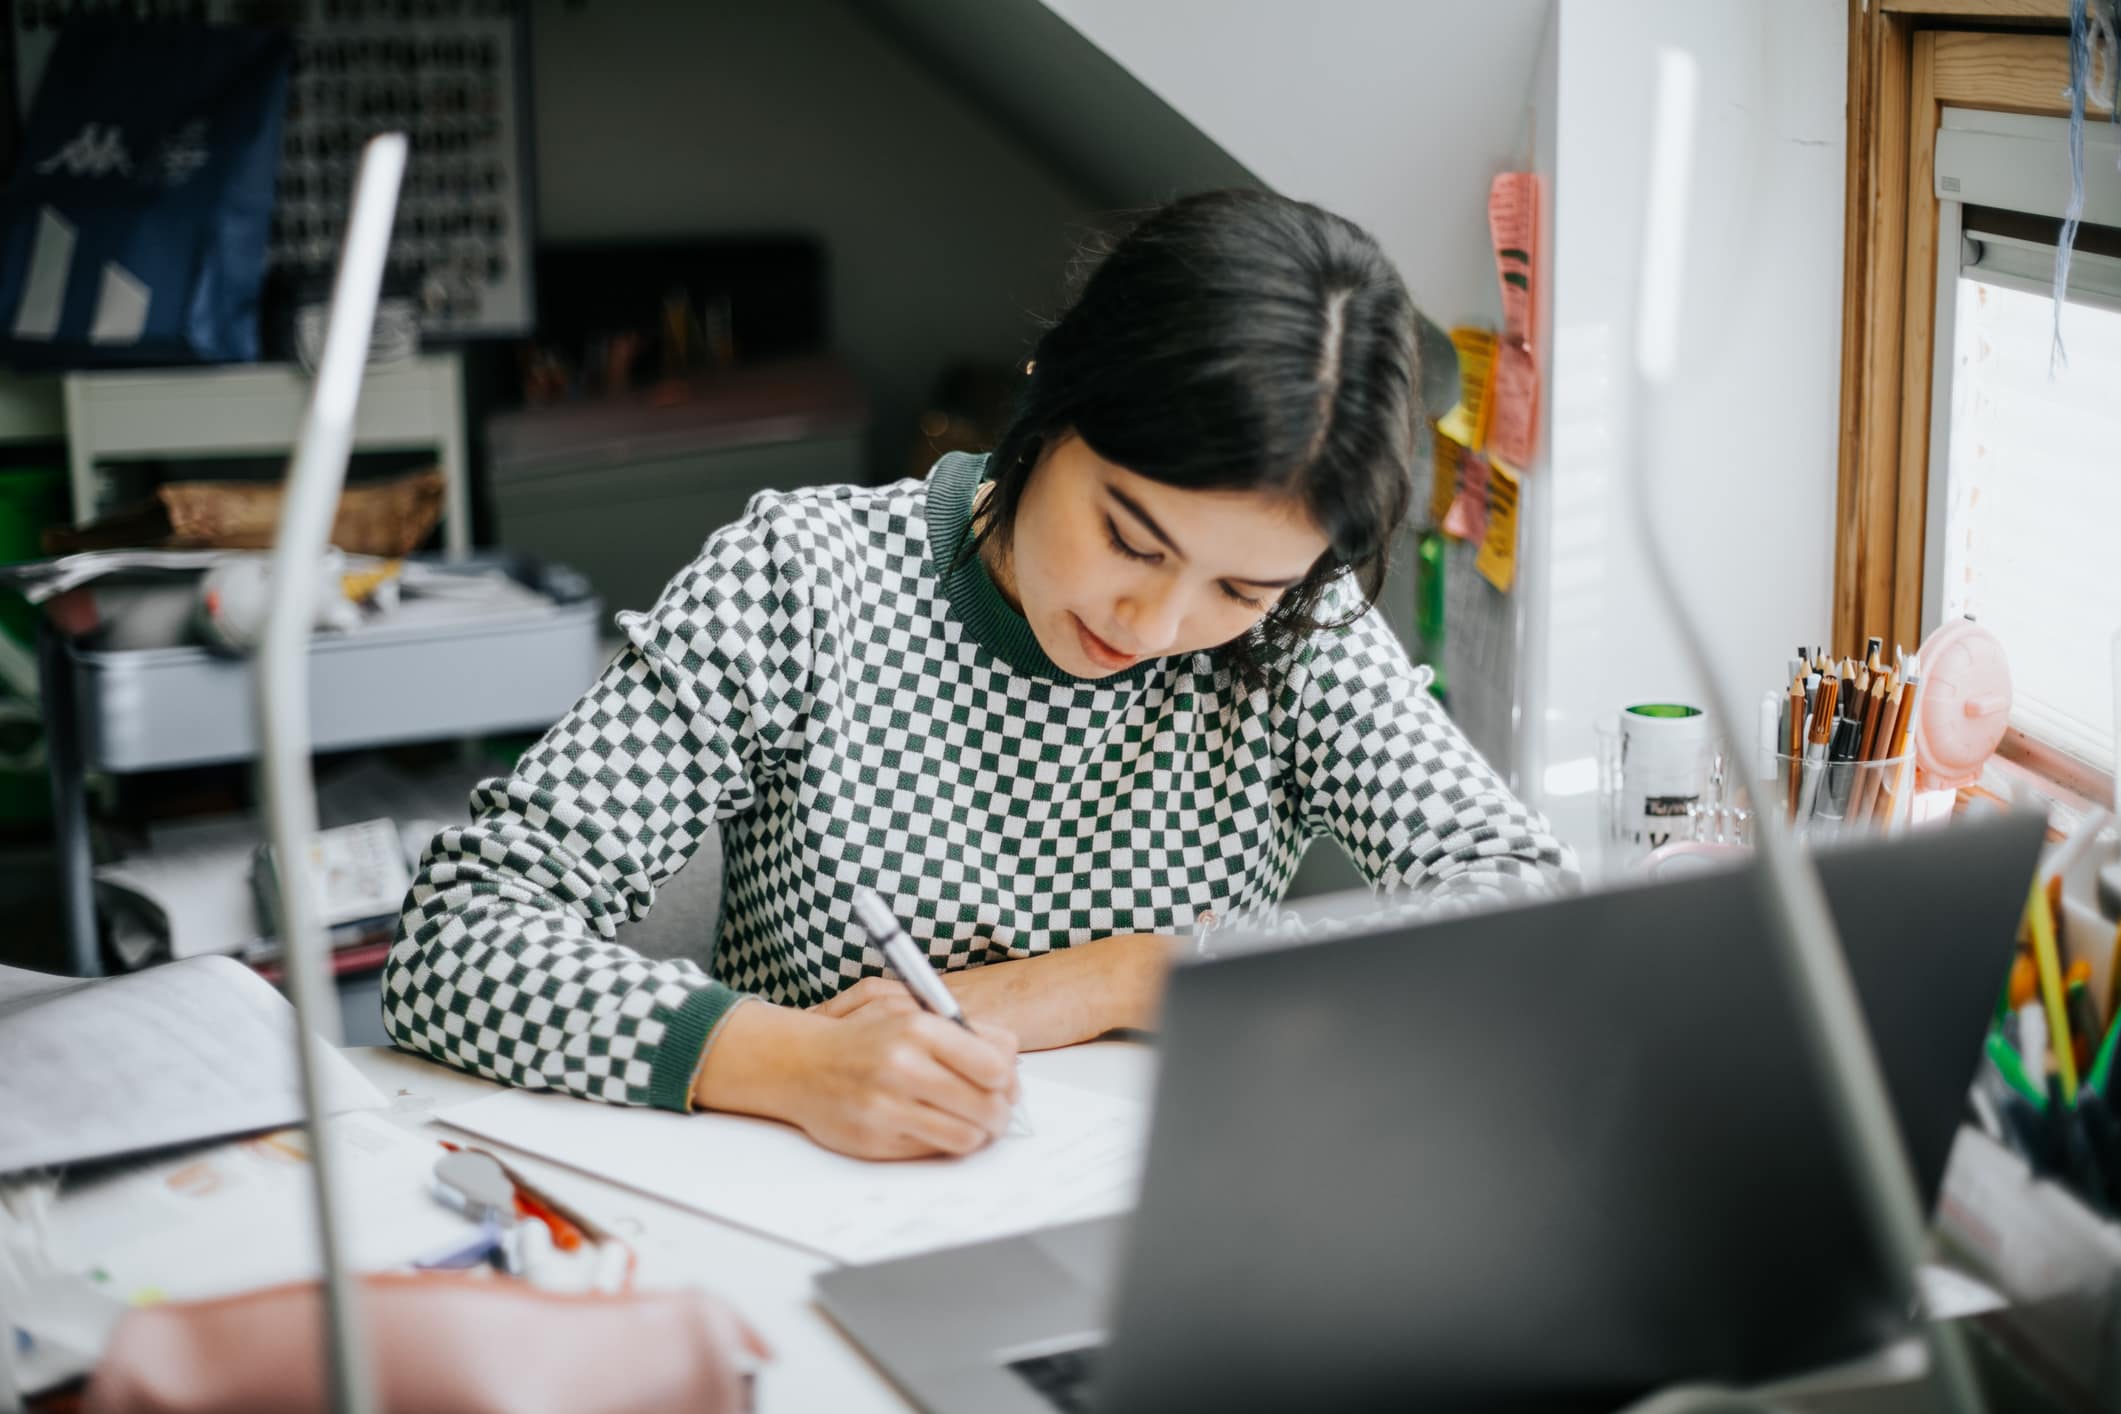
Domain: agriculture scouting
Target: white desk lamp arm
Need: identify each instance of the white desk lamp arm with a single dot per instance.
(313, 486)
(1836, 1039)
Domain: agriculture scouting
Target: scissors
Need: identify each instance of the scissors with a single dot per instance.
(478, 1187)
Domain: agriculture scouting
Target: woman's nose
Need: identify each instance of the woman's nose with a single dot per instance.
(1152, 618)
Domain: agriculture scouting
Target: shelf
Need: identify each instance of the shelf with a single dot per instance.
(255, 409)
(515, 669)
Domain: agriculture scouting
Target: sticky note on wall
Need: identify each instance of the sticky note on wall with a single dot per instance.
(1468, 516)
(1443, 485)
(1497, 561)
(1467, 423)
(1513, 226)
(1513, 420)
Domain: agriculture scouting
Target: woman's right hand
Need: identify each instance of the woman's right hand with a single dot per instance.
(882, 1083)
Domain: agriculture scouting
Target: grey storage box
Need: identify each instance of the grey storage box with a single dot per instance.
(153, 709)
(627, 489)
(516, 668)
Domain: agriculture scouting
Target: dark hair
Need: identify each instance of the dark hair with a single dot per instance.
(1237, 340)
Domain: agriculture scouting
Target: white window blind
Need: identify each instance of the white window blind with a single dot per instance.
(2033, 518)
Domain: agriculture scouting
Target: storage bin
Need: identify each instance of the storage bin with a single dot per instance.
(153, 709)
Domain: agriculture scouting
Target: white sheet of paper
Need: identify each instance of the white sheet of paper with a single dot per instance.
(1082, 1160)
(189, 1051)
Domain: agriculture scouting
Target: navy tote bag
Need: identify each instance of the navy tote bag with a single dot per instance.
(134, 228)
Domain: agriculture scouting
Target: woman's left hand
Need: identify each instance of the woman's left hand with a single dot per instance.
(1073, 995)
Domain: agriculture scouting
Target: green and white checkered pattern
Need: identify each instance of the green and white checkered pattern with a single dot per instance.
(849, 704)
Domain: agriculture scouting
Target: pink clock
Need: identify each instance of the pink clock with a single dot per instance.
(1965, 706)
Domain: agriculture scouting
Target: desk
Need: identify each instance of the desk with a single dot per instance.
(814, 1367)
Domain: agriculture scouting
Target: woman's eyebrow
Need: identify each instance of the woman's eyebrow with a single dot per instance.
(1128, 504)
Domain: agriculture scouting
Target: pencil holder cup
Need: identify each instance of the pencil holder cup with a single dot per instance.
(1824, 800)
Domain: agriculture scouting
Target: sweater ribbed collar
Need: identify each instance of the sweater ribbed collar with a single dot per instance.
(975, 598)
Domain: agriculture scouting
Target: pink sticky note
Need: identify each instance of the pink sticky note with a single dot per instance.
(1513, 427)
(1513, 225)
(1468, 516)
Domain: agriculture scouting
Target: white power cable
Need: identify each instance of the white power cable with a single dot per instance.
(317, 475)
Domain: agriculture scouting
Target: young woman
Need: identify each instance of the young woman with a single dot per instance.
(1055, 705)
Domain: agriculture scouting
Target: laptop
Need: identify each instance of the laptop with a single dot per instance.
(1553, 1156)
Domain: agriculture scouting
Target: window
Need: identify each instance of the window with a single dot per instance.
(2024, 481)
(1972, 480)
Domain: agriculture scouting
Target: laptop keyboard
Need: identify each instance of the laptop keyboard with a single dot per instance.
(1062, 1379)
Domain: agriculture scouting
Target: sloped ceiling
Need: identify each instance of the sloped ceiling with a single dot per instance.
(1394, 112)
(1044, 80)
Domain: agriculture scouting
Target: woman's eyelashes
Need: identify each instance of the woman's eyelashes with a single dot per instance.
(1119, 543)
(1150, 557)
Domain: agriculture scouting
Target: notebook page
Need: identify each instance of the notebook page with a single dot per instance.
(194, 1050)
(1082, 1159)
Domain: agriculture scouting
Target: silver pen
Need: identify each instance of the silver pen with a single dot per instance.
(906, 962)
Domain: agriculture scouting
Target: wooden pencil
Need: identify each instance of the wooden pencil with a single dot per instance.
(1793, 745)
(1903, 729)
(1813, 769)
(1874, 728)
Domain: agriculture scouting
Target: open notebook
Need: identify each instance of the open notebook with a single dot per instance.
(195, 1050)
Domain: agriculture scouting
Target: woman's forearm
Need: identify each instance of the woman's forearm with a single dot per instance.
(1074, 995)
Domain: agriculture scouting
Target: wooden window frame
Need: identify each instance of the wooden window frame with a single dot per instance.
(1908, 60)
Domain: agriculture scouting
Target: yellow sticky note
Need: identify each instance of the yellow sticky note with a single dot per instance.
(1467, 423)
(1498, 550)
(1450, 456)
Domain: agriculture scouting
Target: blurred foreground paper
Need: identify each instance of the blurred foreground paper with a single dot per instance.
(198, 1049)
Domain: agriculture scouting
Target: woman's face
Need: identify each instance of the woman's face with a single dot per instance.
(1110, 568)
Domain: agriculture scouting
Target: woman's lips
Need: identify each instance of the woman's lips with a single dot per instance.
(1098, 651)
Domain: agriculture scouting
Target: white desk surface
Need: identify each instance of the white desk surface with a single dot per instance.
(815, 1366)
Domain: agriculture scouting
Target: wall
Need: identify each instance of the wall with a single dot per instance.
(1745, 492)
(668, 117)
(1394, 114)
(1487, 633)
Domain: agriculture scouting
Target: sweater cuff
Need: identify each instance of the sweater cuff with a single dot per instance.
(685, 1040)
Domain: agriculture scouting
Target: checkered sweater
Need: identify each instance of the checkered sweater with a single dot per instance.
(849, 702)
